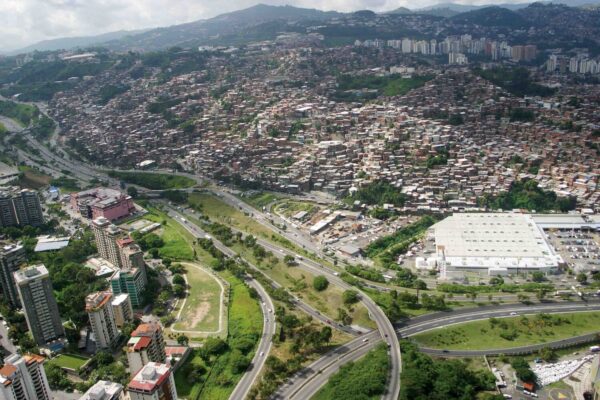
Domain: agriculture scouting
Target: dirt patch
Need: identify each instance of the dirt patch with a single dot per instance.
(202, 311)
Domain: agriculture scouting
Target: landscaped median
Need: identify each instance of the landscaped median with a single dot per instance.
(154, 181)
(510, 332)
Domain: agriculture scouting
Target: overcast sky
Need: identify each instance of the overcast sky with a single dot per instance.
(23, 22)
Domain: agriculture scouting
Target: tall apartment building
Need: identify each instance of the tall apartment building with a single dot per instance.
(20, 207)
(132, 282)
(106, 236)
(124, 254)
(122, 309)
(145, 345)
(100, 311)
(41, 311)
(131, 254)
(23, 378)
(153, 382)
(12, 256)
(104, 390)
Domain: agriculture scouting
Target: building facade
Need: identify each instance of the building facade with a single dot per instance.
(104, 390)
(12, 256)
(23, 378)
(41, 311)
(145, 345)
(102, 202)
(153, 382)
(100, 311)
(122, 309)
(20, 207)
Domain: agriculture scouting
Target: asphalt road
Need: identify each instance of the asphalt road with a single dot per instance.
(267, 308)
(264, 346)
(310, 379)
(384, 325)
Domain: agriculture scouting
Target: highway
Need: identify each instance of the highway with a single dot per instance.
(354, 349)
(264, 346)
(267, 308)
(183, 219)
(384, 325)
(310, 379)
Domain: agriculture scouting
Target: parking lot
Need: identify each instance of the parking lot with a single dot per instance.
(580, 250)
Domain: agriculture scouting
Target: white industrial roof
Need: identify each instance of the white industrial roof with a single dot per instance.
(493, 240)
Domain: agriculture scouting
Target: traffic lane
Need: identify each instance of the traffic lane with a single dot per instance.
(195, 230)
(264, 346)
(438, 321)
(307, 373)
(514, 350)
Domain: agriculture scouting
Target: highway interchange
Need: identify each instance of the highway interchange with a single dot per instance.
(309, 380)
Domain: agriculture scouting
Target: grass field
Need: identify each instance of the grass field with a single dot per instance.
(32, 178)
(154, 181)
(291, 207)
(511, 332)
(260, 200)
(363, 379)
(178, 241)
(245, 320)
(202, 307)
(218, 211)
(299, 282)
(71, 361)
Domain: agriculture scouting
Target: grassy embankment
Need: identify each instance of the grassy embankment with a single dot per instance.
(499, 333)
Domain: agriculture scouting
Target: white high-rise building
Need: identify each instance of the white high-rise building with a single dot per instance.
(122, 309)
(106, 235)
(23, 378)
(99, 308)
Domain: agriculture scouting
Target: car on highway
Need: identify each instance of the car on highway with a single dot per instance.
(365, 340)
(513, 313)
(262, 353)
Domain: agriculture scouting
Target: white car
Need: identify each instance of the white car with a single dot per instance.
(513, 313)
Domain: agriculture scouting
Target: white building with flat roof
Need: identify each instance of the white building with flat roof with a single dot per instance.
(498, 243)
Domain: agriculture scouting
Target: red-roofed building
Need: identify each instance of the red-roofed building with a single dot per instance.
(23, 378)
(153, 382)
(145, 345)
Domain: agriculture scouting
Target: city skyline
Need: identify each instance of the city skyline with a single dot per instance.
(23, 23)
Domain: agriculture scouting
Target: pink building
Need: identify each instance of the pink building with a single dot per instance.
(102, 202)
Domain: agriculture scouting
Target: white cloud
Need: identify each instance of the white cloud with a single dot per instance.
(23, 22)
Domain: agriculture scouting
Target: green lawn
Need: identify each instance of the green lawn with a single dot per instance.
(21, 113)
(260, 200)
(511, 332)
(154, 181)
(203, 304)
(363, 379)
(178, 241)
(219, 211)
(245, 320)
(299, 282)
(72, 361)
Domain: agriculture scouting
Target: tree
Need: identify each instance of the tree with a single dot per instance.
(290, 261)
(183, 340)
(538, 276)
(178, 280)
(179, 290)
(320, 283)
(343, 316)
(132, 191)
(582, 278)
(547, 354)
(350, 297)
(239, 363)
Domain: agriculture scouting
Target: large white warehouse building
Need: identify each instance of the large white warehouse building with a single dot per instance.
(496, 243)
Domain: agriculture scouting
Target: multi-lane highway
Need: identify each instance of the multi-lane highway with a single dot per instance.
(311, 379)
(308, 381)
(384, 326)
(267, 307)
(264, 346)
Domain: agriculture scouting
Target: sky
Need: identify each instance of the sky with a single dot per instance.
(24, 22)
